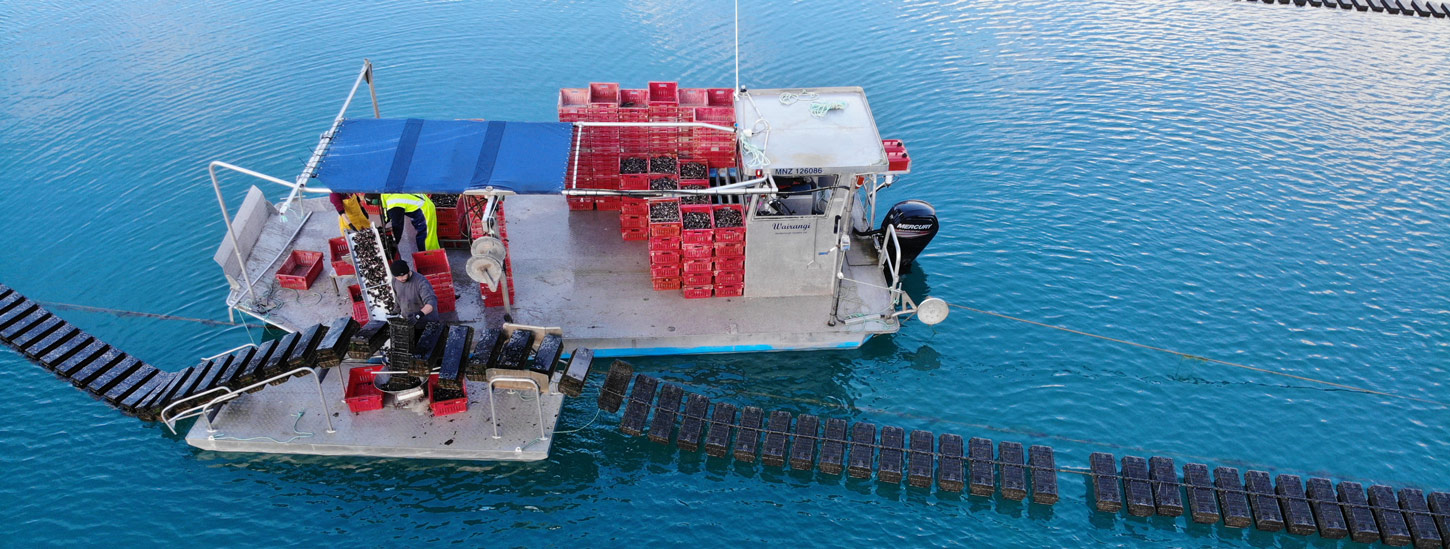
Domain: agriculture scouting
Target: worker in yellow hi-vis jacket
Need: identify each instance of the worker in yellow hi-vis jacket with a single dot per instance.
(417, 207)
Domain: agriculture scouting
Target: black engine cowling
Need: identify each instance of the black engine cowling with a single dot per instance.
(915, 224)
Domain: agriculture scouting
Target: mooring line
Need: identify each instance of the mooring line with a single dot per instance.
(1206, 359)
(123, 312)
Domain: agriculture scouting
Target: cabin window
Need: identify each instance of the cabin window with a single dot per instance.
(799, 196)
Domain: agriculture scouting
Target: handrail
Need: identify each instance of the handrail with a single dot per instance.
(538, 402)
(657, 125)
(229, 394)
(230, 351)
(227, 216)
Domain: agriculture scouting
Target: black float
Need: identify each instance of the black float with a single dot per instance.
(1164, 476)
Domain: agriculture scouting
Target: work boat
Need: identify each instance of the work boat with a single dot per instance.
(652, 221)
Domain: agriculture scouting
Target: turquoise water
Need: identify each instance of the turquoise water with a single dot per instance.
(1261, 184)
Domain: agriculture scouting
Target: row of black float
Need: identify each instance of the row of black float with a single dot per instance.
(1423, 8)
(1148, 486)
(140, 389)
(1152, 487)
(919, 452)
(143, 391)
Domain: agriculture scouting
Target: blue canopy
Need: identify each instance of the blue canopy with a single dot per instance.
(384, 155)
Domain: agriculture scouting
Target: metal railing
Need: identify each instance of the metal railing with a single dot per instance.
(227, 394)
(538, 403)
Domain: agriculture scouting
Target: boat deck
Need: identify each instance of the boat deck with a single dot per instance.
(268, 422)
(572, 270)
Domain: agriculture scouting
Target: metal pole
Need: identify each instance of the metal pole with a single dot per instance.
(737, 46)
(231, 234)
(326, 414)
(372, 91)
(326, 137)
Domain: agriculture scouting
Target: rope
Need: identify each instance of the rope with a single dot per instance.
(764, 431)
(1207, 359)
(820, 108)
(791, 98)
(125, 313)
(300, 434)
(586, 425)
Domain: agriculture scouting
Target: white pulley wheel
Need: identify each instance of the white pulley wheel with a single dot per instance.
(487, 246)
(485, 270)
(931, 311)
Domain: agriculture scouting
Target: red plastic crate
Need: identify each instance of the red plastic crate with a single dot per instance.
(573, 98)
(359, 307)
(698, 279)
(607, 203)
(697, 251)
(631, 234)
(731, 234)
(736, 263)
(664, 257)
(447, 305)
(664, 284)
(432, 262)
(664, 92)
(729, 277)
(729, 290)
(658, 230)
(446, 407)
(633, 99)
(578, 204)
(698, 292)
(361, 395)
(698, 266)
(658, 243)
(634, 182)
(341, 265)
(629, 221)
(719, 116)
(721, 97)
(300, 270)
(694, 97)
(604, 92)
(893, 145)
(898, 161)
(634, 207)
(664, 271)
(729, 249)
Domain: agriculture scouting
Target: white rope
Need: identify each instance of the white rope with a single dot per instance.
(820, 108)
(791, 98)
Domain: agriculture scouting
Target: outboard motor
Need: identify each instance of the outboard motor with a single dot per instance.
(915, 223)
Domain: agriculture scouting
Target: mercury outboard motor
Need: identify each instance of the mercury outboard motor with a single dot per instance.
(915, 223)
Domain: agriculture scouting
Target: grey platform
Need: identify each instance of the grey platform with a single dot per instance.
(264, 422)
(572, 270)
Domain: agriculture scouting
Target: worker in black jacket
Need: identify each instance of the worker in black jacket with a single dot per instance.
(415, 295)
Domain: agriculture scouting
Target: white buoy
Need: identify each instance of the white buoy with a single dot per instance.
(931, 311)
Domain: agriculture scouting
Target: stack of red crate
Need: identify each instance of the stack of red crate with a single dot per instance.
(697, 250)
(729, 251)
(634, 107)
(634, 212)
(476, 229)
(433, 265)
(714, 146)
(664, 243)
(664, 106)
(574, 107)
(599, 146)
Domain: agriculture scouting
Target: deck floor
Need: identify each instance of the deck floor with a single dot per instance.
(574, 272)
(267, 422)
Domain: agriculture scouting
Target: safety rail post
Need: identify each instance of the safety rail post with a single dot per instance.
(538, 403)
